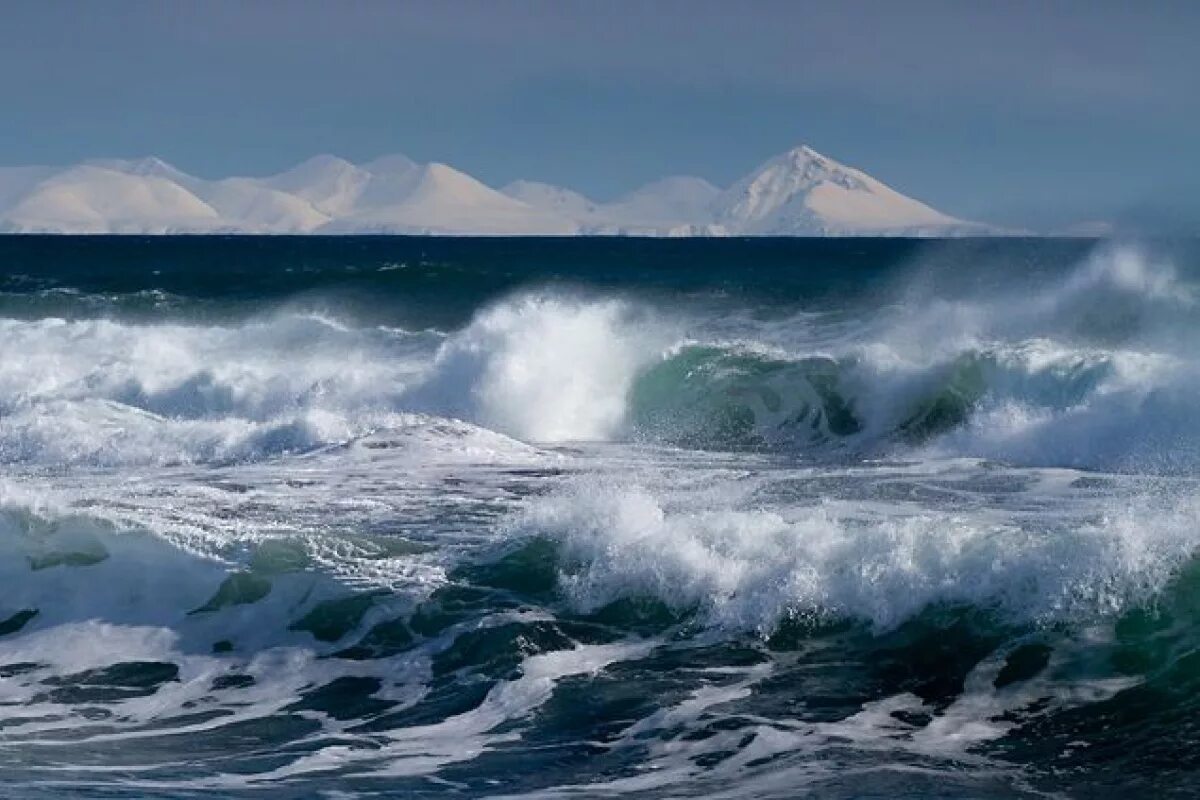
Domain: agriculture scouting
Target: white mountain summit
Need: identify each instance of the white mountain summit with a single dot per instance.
(798, 193)
(437, 199)
(802, 192)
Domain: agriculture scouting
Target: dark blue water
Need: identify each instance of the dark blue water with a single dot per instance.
(361, 517)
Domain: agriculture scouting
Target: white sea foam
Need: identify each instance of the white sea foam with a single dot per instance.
(1087, 372)
(102, 392)
(542, 368)
(328, 458)
(545, 367)
(748, 569)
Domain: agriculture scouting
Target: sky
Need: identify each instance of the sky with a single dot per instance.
(1020, 113)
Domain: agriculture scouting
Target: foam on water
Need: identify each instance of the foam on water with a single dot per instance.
(748, 569)
(1087, 373)
(592, 542)
(100, 392)
(544, 367)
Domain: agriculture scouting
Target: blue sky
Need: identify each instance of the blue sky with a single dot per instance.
(1035, 113)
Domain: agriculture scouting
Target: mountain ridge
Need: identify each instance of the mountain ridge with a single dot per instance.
(797, 193)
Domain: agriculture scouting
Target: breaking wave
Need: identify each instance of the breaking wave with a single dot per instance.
(1088, 373)
(586, 540)
(752, 570)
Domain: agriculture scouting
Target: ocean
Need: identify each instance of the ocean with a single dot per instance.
(416, 517)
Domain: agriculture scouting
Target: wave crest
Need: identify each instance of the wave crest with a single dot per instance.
(750, 570)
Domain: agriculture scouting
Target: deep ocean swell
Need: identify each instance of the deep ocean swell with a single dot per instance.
(496, 518)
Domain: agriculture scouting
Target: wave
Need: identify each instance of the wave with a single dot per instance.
(1089, 372)
(545, 367)
(348, 557)
(685, 615)
(107, 393)
(723, 556)
(752, 570)
(1035, 402)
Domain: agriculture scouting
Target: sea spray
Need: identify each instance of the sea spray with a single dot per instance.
(541, 518)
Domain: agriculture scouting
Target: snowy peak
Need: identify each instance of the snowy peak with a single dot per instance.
(330, 184)
(806, 193)
(438, 199)
(439, 181)
(93, 199)
(797, 193)
(148, 166)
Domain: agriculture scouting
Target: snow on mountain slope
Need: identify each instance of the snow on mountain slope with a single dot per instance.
(16, 182)
(148, 167)
(331, 184)
(802, 192)
(83, 202)
(556, 199)
(92, 199)
(246, 204)
(443, 200)
(392, 180)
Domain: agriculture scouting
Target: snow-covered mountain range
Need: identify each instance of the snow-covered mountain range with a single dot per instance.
(797, 193)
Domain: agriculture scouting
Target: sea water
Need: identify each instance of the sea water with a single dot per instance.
(392, 517)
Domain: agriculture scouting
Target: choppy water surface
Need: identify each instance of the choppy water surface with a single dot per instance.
(421, 518)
